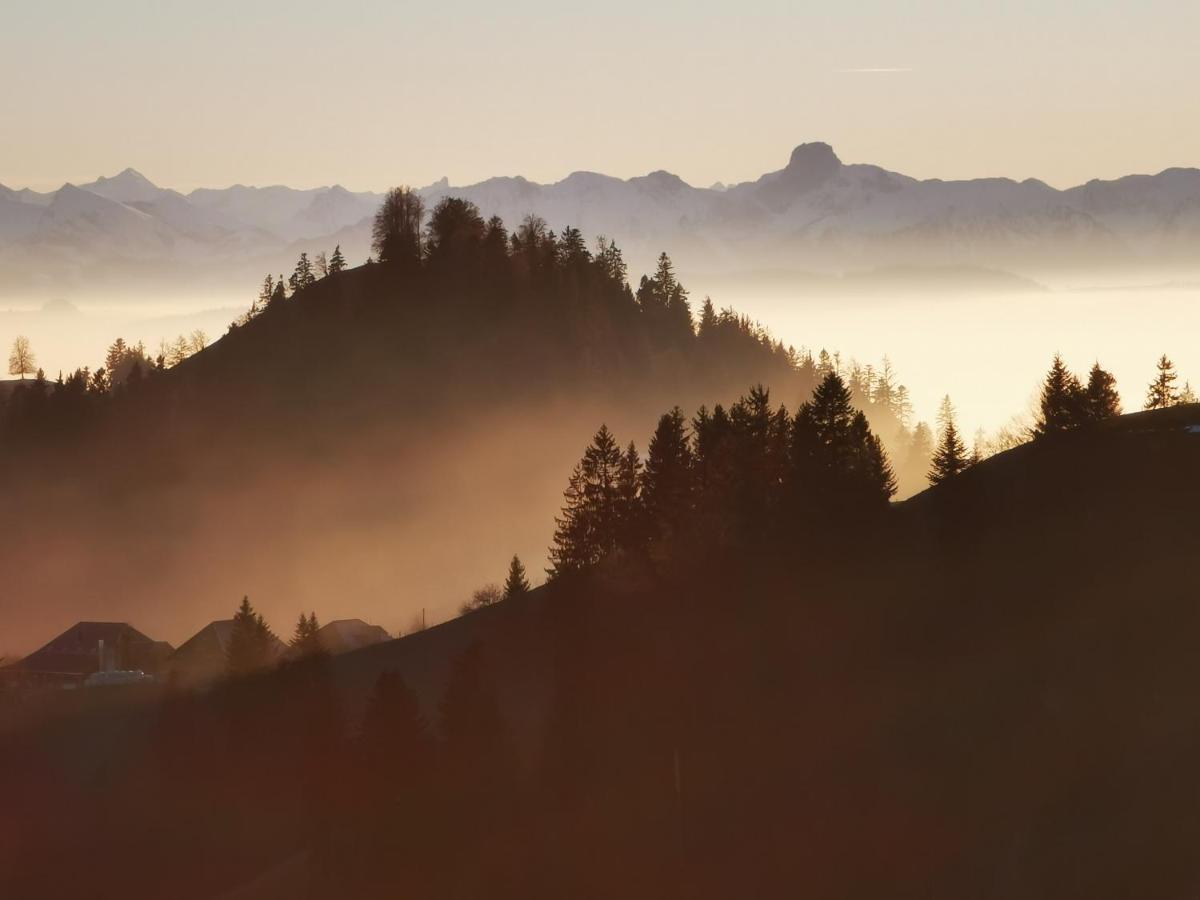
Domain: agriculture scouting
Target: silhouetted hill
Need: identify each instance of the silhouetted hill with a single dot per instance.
(378, 443)
(995, 697)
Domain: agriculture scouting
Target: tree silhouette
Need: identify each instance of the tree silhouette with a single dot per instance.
(396, 232)
(304, 642)
(337, 262)
(664, 301)
(1061, 402)
(516, 584)
(668, 482)
(1162, 390)
(836, 461)
(21, 360)
(1100, 398)
(302, 276)
(488, 595)
(454, 234)
(950, 459)
(589, 527)
(250, 642)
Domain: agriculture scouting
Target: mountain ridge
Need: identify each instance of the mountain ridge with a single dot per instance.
(816, 212)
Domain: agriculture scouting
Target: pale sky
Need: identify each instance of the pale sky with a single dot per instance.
(371, 94)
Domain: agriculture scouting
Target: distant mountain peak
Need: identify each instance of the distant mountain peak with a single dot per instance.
(814, 155)
(810, 166)
(128, 175)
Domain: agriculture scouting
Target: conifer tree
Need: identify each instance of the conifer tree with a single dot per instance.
(610, 261)
(631, 522)
(1186, 394)
(835, 459)
(250, 642)
(950, 459)
(304, 642)
(668, 482)
(1162, 390)
(708, 319)
(1100, 398)
(265, 294)
(337, 262)
(1062, 401)
(516, 584)
(589, 527)
(280, 292)
(303, 275)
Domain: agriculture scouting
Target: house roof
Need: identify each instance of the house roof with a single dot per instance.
(74, 651)
(344, 635)
(205, 652)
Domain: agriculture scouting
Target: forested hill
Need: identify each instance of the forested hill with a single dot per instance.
(986, 689)
(386, 435)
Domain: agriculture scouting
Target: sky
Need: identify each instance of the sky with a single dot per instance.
(372, 94)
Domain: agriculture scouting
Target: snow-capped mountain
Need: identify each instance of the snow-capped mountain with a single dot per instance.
(816, 213)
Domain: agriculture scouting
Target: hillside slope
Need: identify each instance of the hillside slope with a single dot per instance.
(373, 446)
(994, 699)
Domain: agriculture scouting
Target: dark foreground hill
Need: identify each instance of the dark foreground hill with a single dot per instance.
(988, 694)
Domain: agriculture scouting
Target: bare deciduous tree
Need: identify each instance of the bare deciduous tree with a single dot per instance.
(21, 360)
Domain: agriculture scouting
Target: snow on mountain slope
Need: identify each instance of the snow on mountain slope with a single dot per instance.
(815, 213)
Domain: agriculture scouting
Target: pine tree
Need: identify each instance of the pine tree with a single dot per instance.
(304, 642)
(1100, 398)
(1162, 390)
(250, 642)
(337, 262)
(631, 521)
(280, 292)
(668, 482)
(516, 584)
(664, 301)
(950, 459)
(835, 459)
(593, 515)
(1186, 395)
(265, 295)
(303, 275)
(1062, 401)
(708, 319)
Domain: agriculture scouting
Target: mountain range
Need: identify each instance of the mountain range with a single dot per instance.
(816, 214)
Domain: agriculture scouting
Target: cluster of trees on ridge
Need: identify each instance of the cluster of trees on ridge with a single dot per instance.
(457, 251)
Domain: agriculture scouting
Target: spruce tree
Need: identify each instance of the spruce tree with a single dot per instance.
(516, 584)
(337, 262)
(250, 642)
(304, 642)
(1062, 401)
(950, 459)
(1100, 398)
(668, 483)
(1162, 390)
(590, 525)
